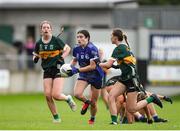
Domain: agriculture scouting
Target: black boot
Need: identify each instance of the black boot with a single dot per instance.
(156, 100)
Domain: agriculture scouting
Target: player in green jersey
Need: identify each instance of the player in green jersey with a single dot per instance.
(128, 80)
(52, 51)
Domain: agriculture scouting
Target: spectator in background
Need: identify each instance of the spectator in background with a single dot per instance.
(19, 47)
(29, 47)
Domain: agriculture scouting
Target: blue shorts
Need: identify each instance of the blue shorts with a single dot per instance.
(94, 81)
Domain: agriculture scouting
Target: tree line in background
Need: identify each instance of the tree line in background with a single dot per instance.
(159, 2)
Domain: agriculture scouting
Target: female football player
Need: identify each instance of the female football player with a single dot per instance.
(86, 55)
(128, 81)
(141, 113)
(52, 52)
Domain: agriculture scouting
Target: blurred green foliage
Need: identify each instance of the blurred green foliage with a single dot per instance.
(159, 2)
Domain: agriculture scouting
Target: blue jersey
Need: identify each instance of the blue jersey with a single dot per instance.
(83, 55)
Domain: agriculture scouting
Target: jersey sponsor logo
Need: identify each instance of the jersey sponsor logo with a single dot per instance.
(45, 47)
(40, 47)
(51, 47)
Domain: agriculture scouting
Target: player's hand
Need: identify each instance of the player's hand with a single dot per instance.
(96, 60)
(168, 99)
(35, 54)
(35, 59)
(60, 61)
(74, 70)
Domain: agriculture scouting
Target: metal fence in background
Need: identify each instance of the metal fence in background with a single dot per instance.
(18, 62)
(152, 17)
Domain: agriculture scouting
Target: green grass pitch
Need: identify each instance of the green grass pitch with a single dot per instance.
(30, 112)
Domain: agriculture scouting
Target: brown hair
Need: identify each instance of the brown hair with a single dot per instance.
(120, 35)
(45, 22)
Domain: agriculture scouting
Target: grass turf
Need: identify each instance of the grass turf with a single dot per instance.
(30, 112)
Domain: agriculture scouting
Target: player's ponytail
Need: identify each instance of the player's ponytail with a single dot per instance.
(120, 35)
(125, 38)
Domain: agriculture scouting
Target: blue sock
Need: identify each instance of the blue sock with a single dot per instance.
(155, 117)
(141, 117)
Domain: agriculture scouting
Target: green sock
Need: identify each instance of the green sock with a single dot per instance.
(114, 118)
(56, 116)
(68, 100)
(149, 99)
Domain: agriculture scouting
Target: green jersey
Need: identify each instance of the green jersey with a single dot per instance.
(50, 53)
(125, 60)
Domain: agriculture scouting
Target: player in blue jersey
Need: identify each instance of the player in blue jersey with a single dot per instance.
(86, 54)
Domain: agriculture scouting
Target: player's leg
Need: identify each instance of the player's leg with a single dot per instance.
(58, 88)
(149, 118)
(118, 89)
(94, 98)
(165, 98)
(154, 114)
(133, 105)
(145, 110)
(105, 95)
(48, 82)
(130, 117)
(140, 116)
(120, 102)
(57, 94)
(79, 88)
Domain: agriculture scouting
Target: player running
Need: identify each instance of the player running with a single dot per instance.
(52, 52)
(86, 54)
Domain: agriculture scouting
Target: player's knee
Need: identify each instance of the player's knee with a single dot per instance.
(131, 109)
(48, 97)
(111, 98)
(56, 96)
(93, 103)
(77, 95)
